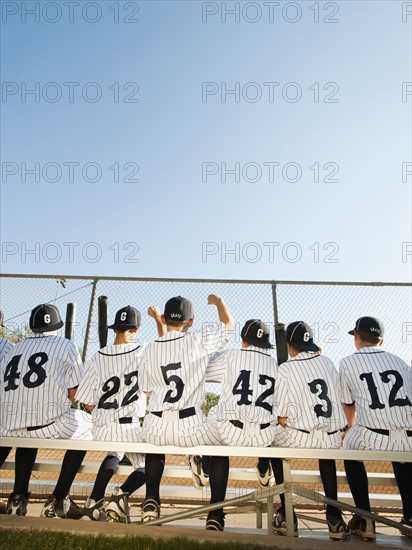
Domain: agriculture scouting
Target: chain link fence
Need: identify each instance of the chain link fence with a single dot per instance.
(330, 308)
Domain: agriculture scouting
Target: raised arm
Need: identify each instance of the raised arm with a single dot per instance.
(154, 313)
(222, 310)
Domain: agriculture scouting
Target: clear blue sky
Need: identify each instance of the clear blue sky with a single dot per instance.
(180, 139)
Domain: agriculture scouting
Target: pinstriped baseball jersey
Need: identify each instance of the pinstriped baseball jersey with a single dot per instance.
(248, 378)
(380, 384)
(173, 367)
(5, 347)
(308, 393)
(35, 378)
(111, 384)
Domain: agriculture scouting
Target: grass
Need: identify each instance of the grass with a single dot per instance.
(13, 539)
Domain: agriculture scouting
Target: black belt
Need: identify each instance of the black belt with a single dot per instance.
(306, 431)
(239, 424)
(183, 413)
(126, 420)
(387, 432)
(33, 428)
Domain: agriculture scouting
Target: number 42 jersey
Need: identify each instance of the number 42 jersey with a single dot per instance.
(35, 378)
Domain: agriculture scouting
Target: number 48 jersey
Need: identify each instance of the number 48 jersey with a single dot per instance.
(380, 385)
(308, 393)
(35, 378)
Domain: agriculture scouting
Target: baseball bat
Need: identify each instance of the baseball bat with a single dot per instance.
(102, 320)
(70, 320)
(281, 345)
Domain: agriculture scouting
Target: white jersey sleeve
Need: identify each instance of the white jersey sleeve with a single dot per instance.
(5, 347)
(216, 367)
(213, 337)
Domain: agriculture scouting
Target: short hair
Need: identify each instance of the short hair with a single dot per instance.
(369, 338)
(176, 323)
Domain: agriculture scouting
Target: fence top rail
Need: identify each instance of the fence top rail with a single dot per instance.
(208, 450)
(212, 281)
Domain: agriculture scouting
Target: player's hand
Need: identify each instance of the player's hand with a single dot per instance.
(213, 299)
(154, 312)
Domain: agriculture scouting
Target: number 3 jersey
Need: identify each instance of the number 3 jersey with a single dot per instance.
(173, 367)
(35, 378)
(248, 378)
(111, 384)
(308, 393)
(380, 385)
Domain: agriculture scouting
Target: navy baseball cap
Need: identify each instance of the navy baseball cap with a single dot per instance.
(300, 336)
(45, 318)
(178, 309)
(256, 333)
(371, 325)
(126, 318)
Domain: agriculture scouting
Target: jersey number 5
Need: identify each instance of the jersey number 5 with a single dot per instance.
(178, 382)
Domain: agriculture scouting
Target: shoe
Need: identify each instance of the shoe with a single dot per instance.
(65, 508)
(17, 503)
(338, 530)
(215, 522)
(117, 509)
(267, 479)
(407, 523)
(279, 523)
(362, 527)
(200, 479)
(94, 511)
(150, 509)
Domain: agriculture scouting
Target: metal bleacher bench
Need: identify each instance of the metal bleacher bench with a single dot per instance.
(294, 480)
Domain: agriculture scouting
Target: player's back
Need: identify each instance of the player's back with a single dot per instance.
(173, 369)
(35, 378)
(308, 390)
(248, 384)
(111, 383)
(380, 383)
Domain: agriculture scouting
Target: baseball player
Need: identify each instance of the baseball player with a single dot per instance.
(246, 414)
(110, 389)
(5, 347)
(172, 370)
(310, 415)
(377, 394)
(38, 382)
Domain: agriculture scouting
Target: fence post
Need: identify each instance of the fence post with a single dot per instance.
(89, 319)
(275, 303)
